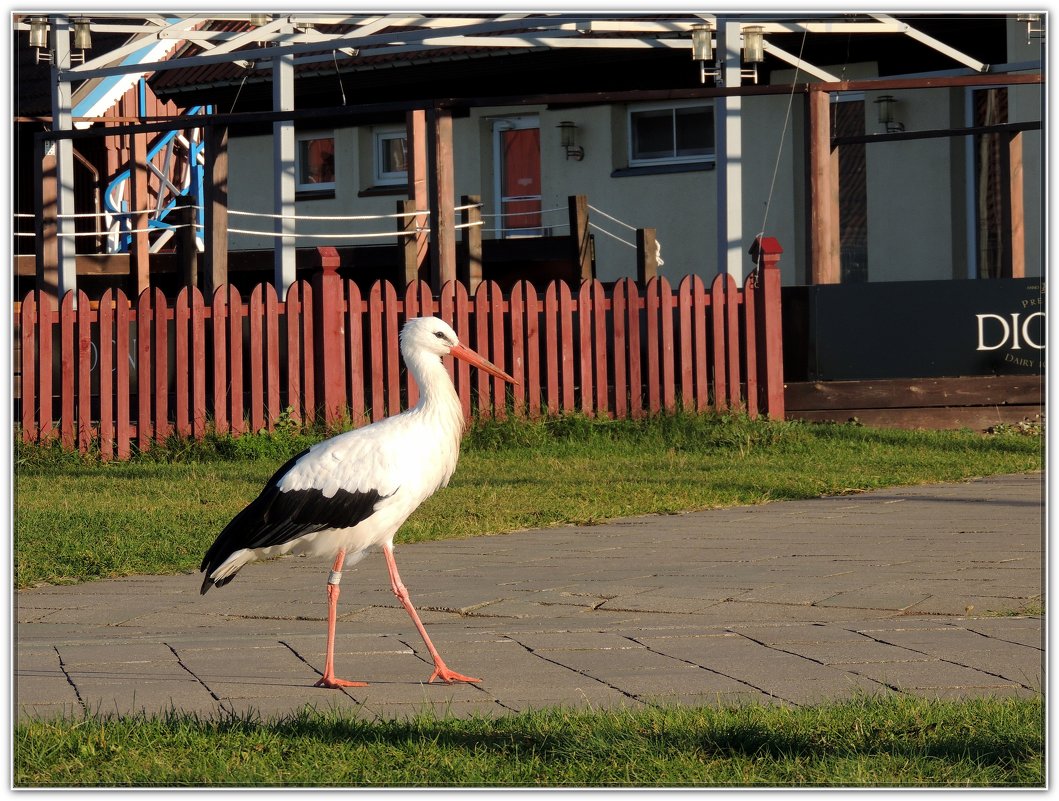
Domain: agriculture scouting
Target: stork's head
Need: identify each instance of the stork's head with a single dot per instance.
(429, 335)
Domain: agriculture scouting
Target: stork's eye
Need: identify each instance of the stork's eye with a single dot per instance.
(440, 335)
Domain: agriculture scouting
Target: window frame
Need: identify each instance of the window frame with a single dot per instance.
(674, 159)
(382, 177)
(303, 136)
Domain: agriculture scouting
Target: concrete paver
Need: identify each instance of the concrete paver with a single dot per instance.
(911, 589)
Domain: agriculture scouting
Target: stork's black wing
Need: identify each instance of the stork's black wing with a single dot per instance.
(276, 517)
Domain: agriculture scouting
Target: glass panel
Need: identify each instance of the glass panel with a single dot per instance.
(694, 131)
(848, 119)
(393, 154)
(316, 161)
(652, 134)
(994, 253)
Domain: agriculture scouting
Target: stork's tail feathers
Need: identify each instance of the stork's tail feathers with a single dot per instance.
(221, 574)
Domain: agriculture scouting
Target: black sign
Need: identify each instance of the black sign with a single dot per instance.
(914, 329)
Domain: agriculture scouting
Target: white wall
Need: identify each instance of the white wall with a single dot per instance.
(251, 175)
(909, 210)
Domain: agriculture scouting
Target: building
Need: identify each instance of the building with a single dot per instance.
(654, 141)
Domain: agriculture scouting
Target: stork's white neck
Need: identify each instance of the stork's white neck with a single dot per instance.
(437, 395)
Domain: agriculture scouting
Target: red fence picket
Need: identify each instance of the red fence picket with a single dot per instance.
(622, 351)
(28, 350)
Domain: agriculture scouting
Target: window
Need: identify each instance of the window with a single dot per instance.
(671, 134)
(315, 168)
(391, 156)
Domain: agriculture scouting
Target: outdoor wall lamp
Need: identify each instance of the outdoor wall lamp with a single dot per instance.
(886, 104)
(1031, 31)
(260, 19)
(753, 44)
(568, 139)
(38, 33)
(82, 33)
(753, 50)
(702, 51)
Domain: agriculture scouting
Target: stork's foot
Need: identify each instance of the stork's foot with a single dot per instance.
(441, 671)
(333, 683)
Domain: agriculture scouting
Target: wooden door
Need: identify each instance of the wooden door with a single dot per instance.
(519, 167)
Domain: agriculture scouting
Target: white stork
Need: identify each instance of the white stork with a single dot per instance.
(349, 493)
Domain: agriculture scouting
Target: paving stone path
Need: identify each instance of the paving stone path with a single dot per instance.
(913, 589)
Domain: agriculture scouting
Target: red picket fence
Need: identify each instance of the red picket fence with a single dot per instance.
(115, 372)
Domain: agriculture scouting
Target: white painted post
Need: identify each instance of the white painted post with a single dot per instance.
(284, 180)
(64, 167)
(728, 122)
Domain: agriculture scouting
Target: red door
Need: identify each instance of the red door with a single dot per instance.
(520, 181)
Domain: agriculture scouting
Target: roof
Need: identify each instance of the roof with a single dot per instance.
(551, 53)
(341, 58)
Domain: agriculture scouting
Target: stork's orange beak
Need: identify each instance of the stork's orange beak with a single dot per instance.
(472, 358)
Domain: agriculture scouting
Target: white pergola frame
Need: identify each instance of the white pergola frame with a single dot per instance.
(289, 40)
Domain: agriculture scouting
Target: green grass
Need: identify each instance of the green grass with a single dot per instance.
(893, 741)
(79, 519)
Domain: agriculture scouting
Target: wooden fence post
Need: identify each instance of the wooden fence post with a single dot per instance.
(646, 255)
(471, 220)
(407, 228)
(766, 251)
(140, 245)
(582, 243)
(215, 209)
(187, 250)
(330, 336)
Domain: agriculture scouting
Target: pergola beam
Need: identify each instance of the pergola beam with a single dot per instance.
(941, 47)
(801, 64)
(554, 31)
(342, 40)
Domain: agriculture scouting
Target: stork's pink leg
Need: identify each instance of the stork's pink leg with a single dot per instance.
(441, 670)
(328, 679)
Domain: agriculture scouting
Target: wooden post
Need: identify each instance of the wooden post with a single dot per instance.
(471, 219)
(1013, 214)
(140, 246)
(579, 236)
(442, 199)
(646, 255)
(409, 240)
(215, 203)
(46, 225)
(418, 183)
(330, 336)
(766, 252)
(186, 249)
(823, 193)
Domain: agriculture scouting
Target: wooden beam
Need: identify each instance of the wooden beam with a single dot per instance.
(186, 250)
(140, 247)
(442, 199)
(823, 193)
(418, 184)
(471, 219)
(409, 240)
(1016, 207)
(937, 133)
(580, 237)
(215, 234)
(46, 225)
(646, 255)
